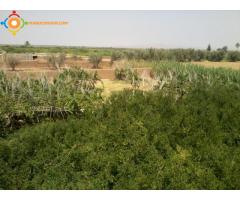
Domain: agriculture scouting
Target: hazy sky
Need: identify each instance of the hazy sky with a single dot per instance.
(161, 29)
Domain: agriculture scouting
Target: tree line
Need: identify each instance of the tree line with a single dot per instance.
(182, 55)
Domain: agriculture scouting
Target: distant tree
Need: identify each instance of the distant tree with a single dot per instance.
(151, 54)
(11, 61)
(209, 48)
(27, 44)
(233, 56)
(95, 60)
(129, 54)
(237, 45)
(61, 59)
(198, 55)
(225, 48)
(216, 56)
(56, 61)
(115, 56)
(51, 60)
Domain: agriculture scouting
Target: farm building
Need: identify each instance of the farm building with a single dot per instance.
(25, 56)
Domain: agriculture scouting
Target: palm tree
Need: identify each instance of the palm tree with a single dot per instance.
(237, 45)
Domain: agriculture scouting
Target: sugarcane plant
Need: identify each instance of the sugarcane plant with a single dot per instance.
(31, 100)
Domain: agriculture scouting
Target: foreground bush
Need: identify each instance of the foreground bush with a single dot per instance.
(140, 140)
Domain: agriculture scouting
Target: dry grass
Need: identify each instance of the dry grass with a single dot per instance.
(110, 86)
(231, 65)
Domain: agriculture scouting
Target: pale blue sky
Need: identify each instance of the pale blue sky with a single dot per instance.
(161, 29)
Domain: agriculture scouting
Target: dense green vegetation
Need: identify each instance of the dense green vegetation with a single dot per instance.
(182, 55)
(185, 134)
(32, 100)
(135, 141)
(128, 74)
(83, 51)
(179, 77)
(179, 55)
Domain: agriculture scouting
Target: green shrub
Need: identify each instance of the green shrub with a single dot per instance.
(61, 60)
(141, 140)
(183, 135)
(233, 56)
(11, 61)
(199, 55)
(215, 56)
(128, 74)
(115, 56)
(120, 73)
(95, 60)
(51, 60)
(56, 60)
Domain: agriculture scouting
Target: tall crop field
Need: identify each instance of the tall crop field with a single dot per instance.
(29, 101)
